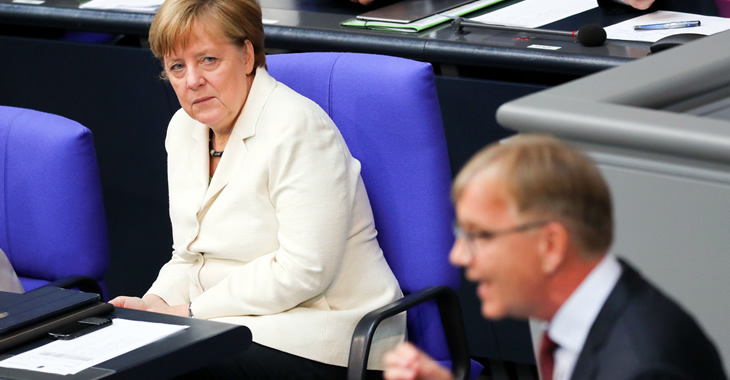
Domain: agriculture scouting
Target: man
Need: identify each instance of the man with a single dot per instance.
(703, 7)
(535, 224)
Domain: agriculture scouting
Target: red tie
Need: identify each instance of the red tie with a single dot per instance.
(723, 6)
(547, 360)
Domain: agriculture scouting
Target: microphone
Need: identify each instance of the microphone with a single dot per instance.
(590, 35)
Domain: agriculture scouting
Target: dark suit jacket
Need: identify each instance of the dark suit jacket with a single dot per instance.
(703, 7)
(641, 334)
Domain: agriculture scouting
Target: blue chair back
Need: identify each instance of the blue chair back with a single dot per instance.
(388, 112)
(89, 37)
(52, 222)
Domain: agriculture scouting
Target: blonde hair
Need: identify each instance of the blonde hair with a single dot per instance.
(237, 20)
(544, 176)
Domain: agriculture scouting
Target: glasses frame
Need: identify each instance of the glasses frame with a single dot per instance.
(471, 237)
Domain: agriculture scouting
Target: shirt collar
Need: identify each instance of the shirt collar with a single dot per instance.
(570, 326)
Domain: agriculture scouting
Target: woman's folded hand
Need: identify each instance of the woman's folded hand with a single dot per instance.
(150, 302)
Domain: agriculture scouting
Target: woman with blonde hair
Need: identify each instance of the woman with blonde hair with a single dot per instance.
(272, 226)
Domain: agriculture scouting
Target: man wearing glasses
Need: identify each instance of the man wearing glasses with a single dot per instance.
(534, 226)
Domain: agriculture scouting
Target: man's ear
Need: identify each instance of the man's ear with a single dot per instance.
(554, 241)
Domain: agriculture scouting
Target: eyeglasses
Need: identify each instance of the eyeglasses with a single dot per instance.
(471, 237)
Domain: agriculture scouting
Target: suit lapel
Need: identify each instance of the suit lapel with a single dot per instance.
(587, 365)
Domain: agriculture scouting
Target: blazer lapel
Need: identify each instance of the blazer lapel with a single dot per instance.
(587, 364)
(198, 159)
(235, 151)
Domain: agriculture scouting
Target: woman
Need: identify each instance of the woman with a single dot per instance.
(272, 227)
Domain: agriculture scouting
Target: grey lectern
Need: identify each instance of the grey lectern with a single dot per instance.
(659, 129)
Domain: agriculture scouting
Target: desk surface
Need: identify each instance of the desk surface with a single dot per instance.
(202, 343)
(314, 25)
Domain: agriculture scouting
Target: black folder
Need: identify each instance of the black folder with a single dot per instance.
(41, 329)
(39, 305)
(407, 11)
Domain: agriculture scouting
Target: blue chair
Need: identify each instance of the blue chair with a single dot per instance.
(52, 222)
(388, 112)
(90, 37)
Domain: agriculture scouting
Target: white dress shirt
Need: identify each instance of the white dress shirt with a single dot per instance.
(570, 326)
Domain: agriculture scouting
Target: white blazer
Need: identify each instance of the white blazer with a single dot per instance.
(283, 239)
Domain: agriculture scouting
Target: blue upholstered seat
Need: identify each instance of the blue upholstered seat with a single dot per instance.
(52, 222)
(388, 113)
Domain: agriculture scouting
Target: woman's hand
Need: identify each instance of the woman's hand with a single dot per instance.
(130, 303)
(406, 362)
(640, 4)
(151, 303)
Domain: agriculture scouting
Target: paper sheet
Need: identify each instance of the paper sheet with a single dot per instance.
(535, 13)
(142, 6)
(625, 30)
(65, 357)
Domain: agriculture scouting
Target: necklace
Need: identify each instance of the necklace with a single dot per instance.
(213, 152)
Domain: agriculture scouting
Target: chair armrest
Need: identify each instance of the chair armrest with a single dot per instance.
(82, 283)
(451, 319)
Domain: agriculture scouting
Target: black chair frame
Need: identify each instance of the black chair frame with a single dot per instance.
(451, 319)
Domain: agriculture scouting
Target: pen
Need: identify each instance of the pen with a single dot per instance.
(668, 25)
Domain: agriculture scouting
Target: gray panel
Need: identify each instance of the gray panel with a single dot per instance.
(719, 109)
(674, 227)
(623, 106)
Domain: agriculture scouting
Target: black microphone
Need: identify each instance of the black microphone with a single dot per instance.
(588, 35)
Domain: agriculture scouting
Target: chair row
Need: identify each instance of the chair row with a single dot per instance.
(54, 227)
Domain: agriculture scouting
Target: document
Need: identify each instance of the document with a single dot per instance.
(141, 6)
(67, 357)
(625, 30)
(536, 13)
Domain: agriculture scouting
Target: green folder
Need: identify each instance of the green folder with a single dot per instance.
(423, 23)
